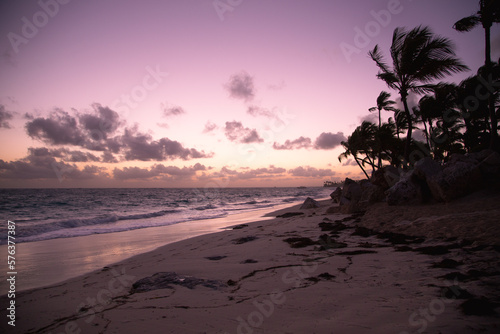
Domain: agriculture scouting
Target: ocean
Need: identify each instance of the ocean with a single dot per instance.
(43, 214)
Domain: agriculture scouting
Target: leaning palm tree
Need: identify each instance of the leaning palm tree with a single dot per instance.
(489, 13)
(383, 103)
(418, 58)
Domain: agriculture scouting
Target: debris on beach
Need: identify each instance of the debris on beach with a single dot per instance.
(165, 280)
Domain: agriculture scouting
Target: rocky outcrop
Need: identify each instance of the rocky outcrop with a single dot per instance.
(385, 177)
(356, 196)
(459, 176)
(309, 203)
(336, 194)
(428, 181)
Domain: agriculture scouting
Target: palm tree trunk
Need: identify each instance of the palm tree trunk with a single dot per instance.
(491, 98)
(426, 133)
(379, 141)
(355, 158)
(410, 128)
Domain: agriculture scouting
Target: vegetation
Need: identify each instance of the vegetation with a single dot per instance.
(452, 118)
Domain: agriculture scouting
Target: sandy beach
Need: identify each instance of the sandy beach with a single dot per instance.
(307, 273)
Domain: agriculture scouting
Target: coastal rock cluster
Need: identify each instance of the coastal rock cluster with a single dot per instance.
(428, 181)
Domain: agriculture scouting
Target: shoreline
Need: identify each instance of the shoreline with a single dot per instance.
(273, 276)
(87, 253)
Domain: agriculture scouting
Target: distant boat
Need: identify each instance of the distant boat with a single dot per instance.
(301, 187)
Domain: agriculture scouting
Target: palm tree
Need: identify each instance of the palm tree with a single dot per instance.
(351, 149)
(418, 58)
(383, 103)
(489, 13)
(361, 141)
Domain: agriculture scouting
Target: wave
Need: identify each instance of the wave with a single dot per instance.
(89, 230)
(205, 207)
(69, 224)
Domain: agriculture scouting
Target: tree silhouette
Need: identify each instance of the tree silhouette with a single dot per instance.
(383, 103)
(489, 13)
(418, 57)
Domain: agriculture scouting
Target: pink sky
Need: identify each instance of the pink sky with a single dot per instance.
(195, 93)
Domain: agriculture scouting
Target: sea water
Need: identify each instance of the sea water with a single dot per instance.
(42, 214)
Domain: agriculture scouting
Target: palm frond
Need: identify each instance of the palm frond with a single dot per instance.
(378, 58)
(467, 23)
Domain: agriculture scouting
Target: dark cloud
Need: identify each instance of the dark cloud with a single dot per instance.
(58, 129)
(209, 127)
(41, 164)
(240, 86)
(301, 142)
(140, 146)
(235, 131)
(157, 172)
(328, 140)
(100, 123)
(310, 172)
(98, 131)
(5, 117)
(64, 154)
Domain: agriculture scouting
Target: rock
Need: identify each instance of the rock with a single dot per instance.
(300, 242)
(426, 168)
(243, 240)
(309, 203)
(457, 179)
(336, 194)
(290, 214)
(351, 191)
(404, 192)
(490, 166)
(333, 209)
(478, 306)
(385, 177)
(351, 195)
(370, 193)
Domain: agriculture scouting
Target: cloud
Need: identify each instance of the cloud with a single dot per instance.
(328, 140)
(64, 154)
(235, 131)
(209, 127)
(41, 164)
(247, 173)
(5, 117)
(350, 162)
(140, 146)
(100, 123)
(108, 157)
(240, 86)
(276, 87)
(371, 117)
(310, 172)
(301, 142)
(172, 111)
(102, 130)
(259, 111)
(58, 129)
(158, 171)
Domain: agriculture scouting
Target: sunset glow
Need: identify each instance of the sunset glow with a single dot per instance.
(195, 93)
